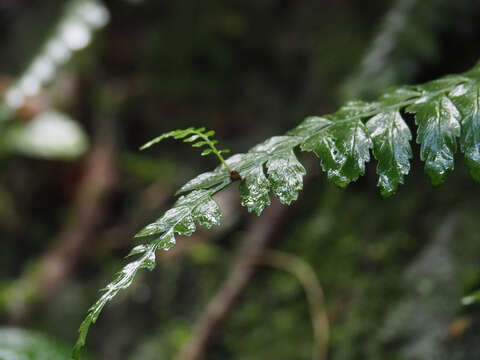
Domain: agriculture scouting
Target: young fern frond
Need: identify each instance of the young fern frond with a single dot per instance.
(446, 111)
(198, 137)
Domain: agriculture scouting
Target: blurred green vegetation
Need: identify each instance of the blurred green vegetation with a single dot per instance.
(393, 271)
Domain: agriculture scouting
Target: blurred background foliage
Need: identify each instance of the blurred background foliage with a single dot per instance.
(74, 188)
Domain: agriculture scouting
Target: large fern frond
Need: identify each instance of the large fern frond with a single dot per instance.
(446, 112)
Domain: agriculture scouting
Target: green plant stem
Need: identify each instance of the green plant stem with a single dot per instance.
(220, 157)
(215, 151)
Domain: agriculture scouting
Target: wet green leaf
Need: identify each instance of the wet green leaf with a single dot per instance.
(254, 191)
(466, 98)
(442, 85)
(207, 214)
(343, 149)
(276, 145)
(357, 108)
(285, 174)
(438, 123)
(391, 147)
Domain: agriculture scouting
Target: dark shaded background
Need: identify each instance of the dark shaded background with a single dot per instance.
(393, 271)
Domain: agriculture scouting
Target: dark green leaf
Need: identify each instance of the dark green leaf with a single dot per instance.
(343, 149)
(207, 214)
(466, 98)
(285, 174)
(438, 123)
(391, 147)
(254, 191)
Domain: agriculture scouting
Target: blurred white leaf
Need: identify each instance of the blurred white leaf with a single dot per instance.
(50, 135)
(19, 344)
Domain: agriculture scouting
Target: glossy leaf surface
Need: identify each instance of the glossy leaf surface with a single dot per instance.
(438, 123)
(391, 147)
(343, 149)
(466, 98)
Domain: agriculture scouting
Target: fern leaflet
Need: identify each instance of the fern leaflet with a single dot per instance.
(199, 135)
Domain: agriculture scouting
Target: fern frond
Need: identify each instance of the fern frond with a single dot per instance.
(446, 111)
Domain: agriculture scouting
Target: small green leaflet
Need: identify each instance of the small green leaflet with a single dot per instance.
(285, 174)
(466, 98)
(438, 123)
(472, 298)
(391, 147)
(343, 149)
(181, 218)
(254, 191)
(198, 137)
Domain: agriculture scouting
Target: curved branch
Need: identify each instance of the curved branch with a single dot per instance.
(313, 290)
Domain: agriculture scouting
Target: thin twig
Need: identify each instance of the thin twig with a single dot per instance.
(309, 281)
